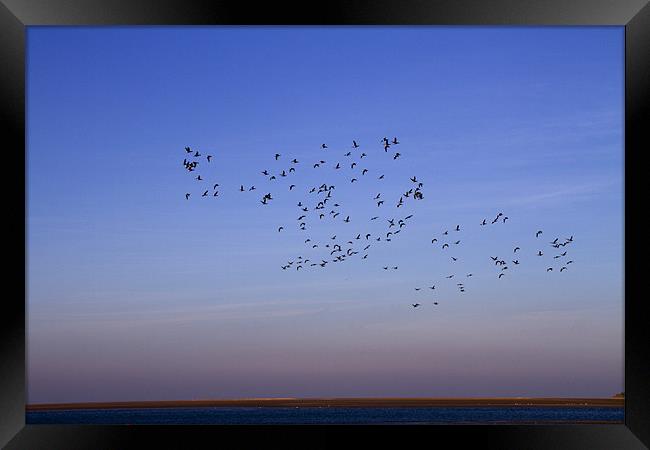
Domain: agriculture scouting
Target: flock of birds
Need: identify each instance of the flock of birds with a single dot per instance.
(320, 204)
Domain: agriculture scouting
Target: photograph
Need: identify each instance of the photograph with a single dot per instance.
(309, 225)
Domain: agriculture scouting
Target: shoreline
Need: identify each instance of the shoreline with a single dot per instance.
(416, 402)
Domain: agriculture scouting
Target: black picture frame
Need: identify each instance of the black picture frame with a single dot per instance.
(16, 15)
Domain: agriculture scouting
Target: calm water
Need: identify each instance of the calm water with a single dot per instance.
(267, 415)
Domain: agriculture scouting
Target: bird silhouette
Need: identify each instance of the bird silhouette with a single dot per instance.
(277, 155)
(187, 196)
(538, 233)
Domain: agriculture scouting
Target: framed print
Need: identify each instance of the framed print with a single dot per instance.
(269, 220)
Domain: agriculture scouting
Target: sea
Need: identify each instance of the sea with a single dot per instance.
(327, 415)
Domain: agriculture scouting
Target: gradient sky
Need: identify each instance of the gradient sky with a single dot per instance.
(135, 293)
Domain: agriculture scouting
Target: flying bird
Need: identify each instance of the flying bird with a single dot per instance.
(538, 233)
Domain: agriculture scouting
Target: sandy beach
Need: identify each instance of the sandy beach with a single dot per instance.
(343, 403)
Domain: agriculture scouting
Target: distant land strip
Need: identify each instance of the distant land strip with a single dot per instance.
(342, 403)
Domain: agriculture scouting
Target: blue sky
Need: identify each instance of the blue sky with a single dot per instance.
(135, 293)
